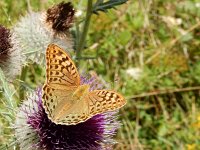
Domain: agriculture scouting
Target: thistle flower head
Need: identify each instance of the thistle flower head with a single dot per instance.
(34, 129)
(37, 30)
(10, 53)
(60, 17)
(5, 42)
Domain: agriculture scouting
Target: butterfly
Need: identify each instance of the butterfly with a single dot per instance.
(68, 102)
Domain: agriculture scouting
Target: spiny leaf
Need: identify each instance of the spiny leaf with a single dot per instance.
(100, 5)
(8, 91)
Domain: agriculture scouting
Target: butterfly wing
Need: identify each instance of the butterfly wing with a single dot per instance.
(77, 113)
(60, 68)
(104, 100)
(56, 99)
(95, 102)
(62, 79)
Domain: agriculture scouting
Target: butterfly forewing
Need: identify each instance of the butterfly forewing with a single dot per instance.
(60, 68)
(62, 79)
(104, 100)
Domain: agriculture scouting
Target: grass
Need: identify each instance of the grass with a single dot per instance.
(161, 40)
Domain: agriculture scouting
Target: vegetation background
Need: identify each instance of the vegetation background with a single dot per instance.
(149, 51)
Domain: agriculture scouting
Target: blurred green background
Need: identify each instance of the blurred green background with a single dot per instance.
(149, 50)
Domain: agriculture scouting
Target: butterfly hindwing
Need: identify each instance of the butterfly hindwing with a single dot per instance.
(104, 100)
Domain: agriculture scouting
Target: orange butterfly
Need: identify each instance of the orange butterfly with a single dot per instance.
(65, 100)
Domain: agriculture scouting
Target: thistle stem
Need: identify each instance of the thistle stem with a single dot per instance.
(22, 78)
(81, 41)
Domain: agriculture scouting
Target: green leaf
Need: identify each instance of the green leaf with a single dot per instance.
(124, 37)
(100, 5)
(186, 37)
(162, 130)
(8, 92)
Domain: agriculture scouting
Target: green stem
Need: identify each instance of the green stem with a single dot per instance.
(22, 78)
(83, 35)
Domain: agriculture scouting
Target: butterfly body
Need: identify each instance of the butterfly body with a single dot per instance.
(66, 101)
(81, 91)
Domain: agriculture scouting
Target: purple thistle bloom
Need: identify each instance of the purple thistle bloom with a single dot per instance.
(10, 53)
(93, 134)
(5, 43)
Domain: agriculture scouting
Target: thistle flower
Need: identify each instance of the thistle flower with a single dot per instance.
(60, 17)
(10, 53)
(38, 29)
(35, 131)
